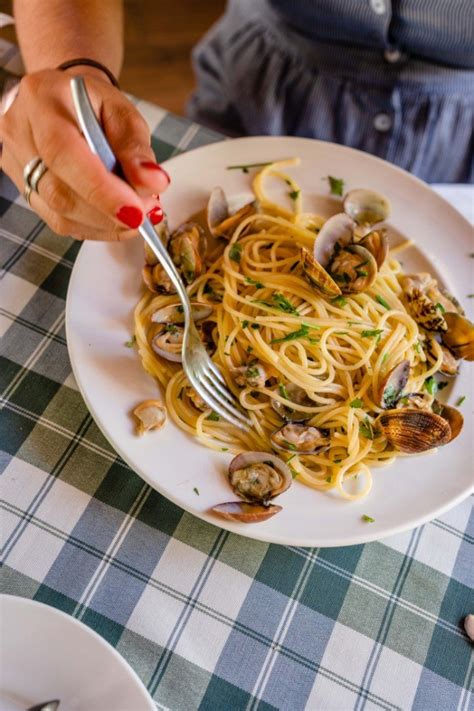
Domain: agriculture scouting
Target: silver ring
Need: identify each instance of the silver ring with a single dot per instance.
(29, 168)
(27, 195)
(36, 175)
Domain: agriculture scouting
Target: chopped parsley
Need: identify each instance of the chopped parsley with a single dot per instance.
(442, 384)
(249, 349)
(213, 416)
(361, 273)
(252, 372)
(470, 296)
(294, 194)
(290, 458)
(180, 309)
(171, 328)
(460, 400)
(380, 300)
(224, 449)
(283, 391)
(245, 323)
(257, 284)
(255, 326)
(390, 396)
(131, 342)
(368, 519)
(245, 168)
(417, 346)
(196, 490)
(439, 307)
(385, 356)
(289, 445)
(357, 403)
(367, 429)
(430, 385)
(294, 473)
(235, 252)
(293, 336)
(372, 334)
(339, 301)
(279, 302)
(336, 185)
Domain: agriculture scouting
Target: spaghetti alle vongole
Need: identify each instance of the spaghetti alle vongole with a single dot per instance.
(330, 348)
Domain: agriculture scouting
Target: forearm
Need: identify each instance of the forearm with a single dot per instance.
(53, 31)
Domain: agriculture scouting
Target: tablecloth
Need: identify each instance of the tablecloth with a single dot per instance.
(208, 619)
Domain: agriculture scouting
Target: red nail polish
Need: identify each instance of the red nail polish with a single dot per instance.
(150, 165)
(130, 215)
(155, 215)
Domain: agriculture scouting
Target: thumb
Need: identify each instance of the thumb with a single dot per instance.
(129, 138)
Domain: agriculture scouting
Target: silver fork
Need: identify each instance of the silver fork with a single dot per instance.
(202, 373)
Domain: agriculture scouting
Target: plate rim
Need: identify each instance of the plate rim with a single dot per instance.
(239, 529)
(35, 604)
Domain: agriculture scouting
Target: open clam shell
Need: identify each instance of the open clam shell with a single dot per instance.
(354, 269)
(173, 313)
(300, 438)
(414, 430)
(299, 397)
(459, 335)
(393, 385)
(168, 343)
(244, 512)
(259, 476)
(453, 417)
(220, 221)
(366, 207)
(338, 230)
(317, 276)
(376, 242)
(150, 415)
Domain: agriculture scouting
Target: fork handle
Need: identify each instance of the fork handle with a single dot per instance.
(100, 146)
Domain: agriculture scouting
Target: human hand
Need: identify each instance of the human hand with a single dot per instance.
(77, 196)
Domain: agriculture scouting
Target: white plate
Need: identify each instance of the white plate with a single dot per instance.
(106, 284)
(46, 654)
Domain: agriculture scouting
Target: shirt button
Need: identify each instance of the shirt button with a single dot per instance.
(378, 6)
(382, 123)
(392, 56)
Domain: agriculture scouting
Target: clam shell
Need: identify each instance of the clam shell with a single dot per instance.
(454, 418)
(322, 442)
(217, 209)
(299, 397)
(337, 230)
(366, 206)
(244, 512)
(168, 351)
(362, 283)
(246, 459)
(173, 314)
(317, 276)
(393, 385)
(415, 431)
(459, 336)
(377, 244)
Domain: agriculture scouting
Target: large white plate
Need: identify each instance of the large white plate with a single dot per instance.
(106, 284)
(46, 654)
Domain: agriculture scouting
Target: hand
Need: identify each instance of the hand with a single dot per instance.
(77, 196)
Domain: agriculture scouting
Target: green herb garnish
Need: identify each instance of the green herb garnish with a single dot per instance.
(442, 384)
(252, 372)
(290, 445)
(460, 400)
(336, 185)
(224, 449)
(131, 342)
(417, 346)
(257, 284)
(255, 326)
(235, 252)
(245, 323)
(290, 458)
(390, 397)
(368, 519)
(339, 301)
(430, 385)
(283, 391)
(196, 490)
(367, 429)
(171, 328)
(245, 168)
(385, 356)
(293, 336)
(249, 349)
(361, 273)
(439, 307)
(180, 309)
(294, 473)
(380, 300)
(213, 416)
(283, 303)
(357, 403)
(294, 194)
(372, 334)
(470, 296)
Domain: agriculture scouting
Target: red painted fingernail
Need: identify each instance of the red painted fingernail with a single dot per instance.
(150, 165)
(155, 215)
(130, 215)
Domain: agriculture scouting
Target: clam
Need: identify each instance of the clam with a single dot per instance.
(254, 375)
(449, 365)
(317, 276)
(219, 220)
(338, 230)
(174, 313)
(157, 280)
(424, 311)
(258, 476)
(459, 336)
(163, 232)
(243, 512)
(427, 303)
(419, 401)
(377, 244)
(454, 418)
(187, 247)
(366, 207)
(300, 438)
(297, 395)
(415, 430)
(168, 342)
(354, 269)
(392, 386)
(196, 399)
(151, 415)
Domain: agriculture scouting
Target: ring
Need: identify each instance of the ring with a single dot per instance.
(32, 174)
(28, 169)
(27, 195)
(36, 175)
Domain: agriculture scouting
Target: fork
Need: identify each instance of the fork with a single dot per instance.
(201, 371)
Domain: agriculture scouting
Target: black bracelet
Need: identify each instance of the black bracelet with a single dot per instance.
(89, 63)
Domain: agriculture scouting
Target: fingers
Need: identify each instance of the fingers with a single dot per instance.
(129, 138)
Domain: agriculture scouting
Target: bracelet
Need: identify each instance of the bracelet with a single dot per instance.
(89, 63)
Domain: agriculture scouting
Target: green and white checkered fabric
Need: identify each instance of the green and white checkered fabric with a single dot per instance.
(207, 619)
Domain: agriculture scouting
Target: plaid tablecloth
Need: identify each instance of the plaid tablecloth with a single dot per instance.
(208, 620)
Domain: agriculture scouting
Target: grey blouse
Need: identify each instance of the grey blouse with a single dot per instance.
(391, 77)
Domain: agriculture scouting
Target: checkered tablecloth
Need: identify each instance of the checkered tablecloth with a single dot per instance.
(207, 619)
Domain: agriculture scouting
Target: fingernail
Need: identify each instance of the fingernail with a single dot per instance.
(150, 165)
(130, 215)
(156, 215)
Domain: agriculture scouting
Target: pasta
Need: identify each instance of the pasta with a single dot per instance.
(273, 335)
